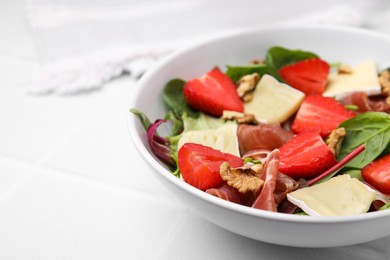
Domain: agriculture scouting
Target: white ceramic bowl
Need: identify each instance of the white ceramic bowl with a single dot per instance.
(333, 44)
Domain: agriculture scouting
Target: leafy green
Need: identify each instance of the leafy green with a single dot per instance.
(299, 211)
(165, 148)
(174, 141)
(371, 129)
(237, 72)
(250, 160)
(354, 173)
(277, 57)
(174, 99)
(386, 206)
(335, 64)
(352, 107)
(203, 122)
(186, 123)
(142, 117)
(177, 122)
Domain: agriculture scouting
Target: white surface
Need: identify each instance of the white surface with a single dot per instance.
(73, 187)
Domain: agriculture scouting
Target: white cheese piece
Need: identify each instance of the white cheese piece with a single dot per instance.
(364, 77)
(340, 196)
(273, 102)
(223, 138)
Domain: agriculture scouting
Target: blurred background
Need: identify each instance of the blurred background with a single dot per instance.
(83, 44)
(72, 186)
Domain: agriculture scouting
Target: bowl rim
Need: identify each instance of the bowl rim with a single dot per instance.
(158, 167)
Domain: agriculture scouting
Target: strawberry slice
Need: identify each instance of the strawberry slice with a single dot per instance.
(320, 114)
(305, 156)
(309, 76)
(377, 173)
(199, 165)
(213, 93)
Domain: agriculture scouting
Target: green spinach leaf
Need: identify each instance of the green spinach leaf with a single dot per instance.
(237, 72)
(174, 99)
(278, 57)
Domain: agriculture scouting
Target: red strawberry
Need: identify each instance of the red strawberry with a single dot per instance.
(199, 165)
(305, 156)
(309, 76)
(320, 114)
(377, 173)
(213, 93)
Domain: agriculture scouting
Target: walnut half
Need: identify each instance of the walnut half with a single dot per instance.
(243, 179)
(335, 139)
(344, 69)
(246, 85)
(241, 118)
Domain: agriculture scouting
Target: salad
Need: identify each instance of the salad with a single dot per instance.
(290, 133)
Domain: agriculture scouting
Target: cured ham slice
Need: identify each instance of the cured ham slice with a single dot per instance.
(262, 136)
(284, 185)
(266, 198)
(231, 194)
(226, 192)
(367, 103)
(274, 191)
(286, 206)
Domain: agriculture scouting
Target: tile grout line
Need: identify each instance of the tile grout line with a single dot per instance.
(73, 131)
(38, 164)
(28, 168)
(100, 182)
(32, 167)
(169, 237)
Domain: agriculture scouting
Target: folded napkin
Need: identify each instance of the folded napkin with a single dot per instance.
(84, 44)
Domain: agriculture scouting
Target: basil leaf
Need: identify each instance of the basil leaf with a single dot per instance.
(371, 129)
(237, 72)
(278, 57)
(173, 97)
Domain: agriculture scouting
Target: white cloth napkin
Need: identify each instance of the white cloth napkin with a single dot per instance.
(84, 44)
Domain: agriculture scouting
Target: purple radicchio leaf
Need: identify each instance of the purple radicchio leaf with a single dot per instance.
(160, 146)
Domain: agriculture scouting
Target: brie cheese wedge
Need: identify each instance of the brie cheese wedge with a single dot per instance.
(223, 138)
(364, 77)
(273, 102)
(340, 196)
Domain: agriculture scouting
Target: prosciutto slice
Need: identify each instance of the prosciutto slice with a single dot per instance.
(286, 206)
(266, 198)
(262, 136)
(231, 194)
(284, 185)
(367, 103)
(226, 192)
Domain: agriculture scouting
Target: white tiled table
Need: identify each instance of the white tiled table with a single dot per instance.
(73, 187)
